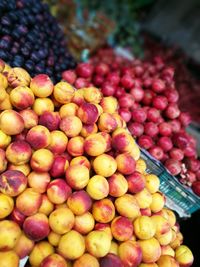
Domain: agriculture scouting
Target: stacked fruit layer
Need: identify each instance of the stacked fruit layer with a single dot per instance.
(73, 188)
(148, 102)
(31, 38)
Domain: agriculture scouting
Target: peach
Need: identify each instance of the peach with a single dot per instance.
(167, 250)
(40, 251)
(104, 227)
(118, 185)
(170, 216)
(3, 161)
(103, 210)
(18, 152)
(42, 160)
(95, 145)
(6, 205)
(54, 260)
(86, 260)
(71, 126)
(98, 243)
(6, 104)
(58, 191)
(6, 69)
(127, 206)
(78, 98)
(122, 228)
(61, 220)
(75, 146)
(18, 76)
(28, 202)
(77, 176)
(134, 150)
(59, 166)
(114, 248)
(46, 206)
(39, 181)
(81, 160)
(108, 140)
(43, 104)
(24, 246)
(79, 202)
(105, 165)
(92, 95)
(15, 125)
(166, 238)
(58, 142)
(54, 238)
(9, 259)
(69, 251)
(144, 198)
(175, 243)
(88, 113)
(41, 85)
(2, 65)
(10, 234)
(22, 97)
(148, 265)
(109, 104)
(24, 168)
(136, 182)
(50, 120)
(68, 109)
(140, 166)
(130, 253)
(166, 260)
(146, 212)
(121, 140)
(151, 250)
(125, 163)
(152, 183)
(144, 227)
(12, 183)
(63, 92)
(3, 81)
(30, 118)
(119, 120)
(21, 136)
(4, 140)
(88, 129)
(158, 202)
(111, 260)
(107, 123)
(97, 187)
(84, 223)
(38, 137)
(99, 108)
(184, 256)
(17, 216)
(161, 224)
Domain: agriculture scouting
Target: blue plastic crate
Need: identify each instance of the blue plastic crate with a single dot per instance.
(178, 197)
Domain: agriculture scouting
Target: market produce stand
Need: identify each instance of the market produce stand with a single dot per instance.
(96, 164)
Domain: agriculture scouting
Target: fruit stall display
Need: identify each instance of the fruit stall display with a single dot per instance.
(30, 37)
(148, 102)
(73, 187)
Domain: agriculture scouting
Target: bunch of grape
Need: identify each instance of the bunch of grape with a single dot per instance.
(31, 38)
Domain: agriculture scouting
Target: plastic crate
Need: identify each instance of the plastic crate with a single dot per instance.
(178, 197)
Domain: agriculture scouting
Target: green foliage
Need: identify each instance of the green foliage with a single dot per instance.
(125, 15)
